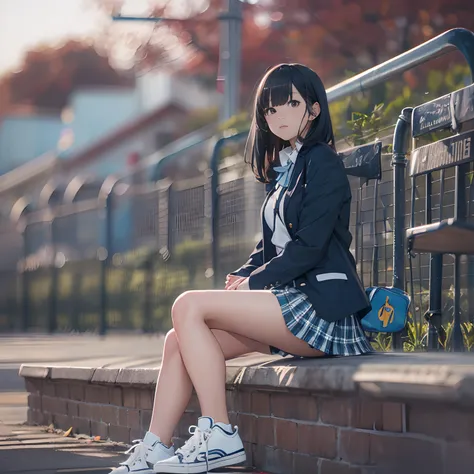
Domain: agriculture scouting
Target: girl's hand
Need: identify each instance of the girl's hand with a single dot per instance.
(244, 285)
(231, 281)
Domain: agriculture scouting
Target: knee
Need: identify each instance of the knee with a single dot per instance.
(171, 345)
(185, 308)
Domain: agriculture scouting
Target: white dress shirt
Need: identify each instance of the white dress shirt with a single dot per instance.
(280, 235)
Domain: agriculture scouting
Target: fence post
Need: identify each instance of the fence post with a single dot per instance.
(25, 283)
(147, 325)
(105, 261)
(433, 315)
(53, 295)
(460, 214)
(214, 166)
(399, 163)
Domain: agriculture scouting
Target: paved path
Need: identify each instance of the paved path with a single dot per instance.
(31, 450)
(26, 449)
(79, 350)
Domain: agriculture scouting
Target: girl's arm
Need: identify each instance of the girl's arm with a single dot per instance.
(255, 261)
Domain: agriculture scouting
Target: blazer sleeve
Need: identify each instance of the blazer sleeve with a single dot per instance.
(255, 261)
(327, 189)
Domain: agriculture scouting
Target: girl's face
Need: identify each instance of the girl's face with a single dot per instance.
(289, 120)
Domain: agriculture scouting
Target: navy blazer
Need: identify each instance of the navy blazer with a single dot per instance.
(317, 260)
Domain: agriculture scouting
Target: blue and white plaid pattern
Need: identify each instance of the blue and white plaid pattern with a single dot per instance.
(344, 337)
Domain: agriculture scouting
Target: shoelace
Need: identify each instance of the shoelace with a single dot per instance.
(198, 438)
(133, 450)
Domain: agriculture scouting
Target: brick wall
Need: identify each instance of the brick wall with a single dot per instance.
(119, 413)
(284, 433)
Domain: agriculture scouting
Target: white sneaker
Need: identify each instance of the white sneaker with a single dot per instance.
(143, 454)
(210, 447)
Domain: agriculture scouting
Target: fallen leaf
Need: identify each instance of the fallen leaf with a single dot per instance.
(96, 438)
(68, 432)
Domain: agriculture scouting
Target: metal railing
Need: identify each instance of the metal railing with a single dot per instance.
(152, 240)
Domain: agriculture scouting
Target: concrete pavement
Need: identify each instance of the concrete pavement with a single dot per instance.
(24, 449)
(78, 350)
(32, 450)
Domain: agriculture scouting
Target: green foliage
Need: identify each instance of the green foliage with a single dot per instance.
(467, 329)
(200, 118)
(361, 121)
(365, 126)
(415, 338)
(238, 123)
(382, 342)
(192, 255)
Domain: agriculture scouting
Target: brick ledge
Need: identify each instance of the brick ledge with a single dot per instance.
(417, 376)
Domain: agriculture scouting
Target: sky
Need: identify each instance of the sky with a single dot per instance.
(26, 23)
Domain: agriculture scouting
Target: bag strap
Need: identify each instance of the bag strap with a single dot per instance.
(372, 293)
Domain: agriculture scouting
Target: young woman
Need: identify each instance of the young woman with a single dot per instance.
(298, 294)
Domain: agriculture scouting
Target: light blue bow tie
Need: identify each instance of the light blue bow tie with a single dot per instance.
(284, 173)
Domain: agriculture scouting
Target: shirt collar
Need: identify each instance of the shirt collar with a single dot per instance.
(289, 153)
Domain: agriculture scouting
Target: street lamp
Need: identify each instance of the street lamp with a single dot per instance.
(229, 52)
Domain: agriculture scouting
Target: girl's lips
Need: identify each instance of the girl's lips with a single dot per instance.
(283, 126)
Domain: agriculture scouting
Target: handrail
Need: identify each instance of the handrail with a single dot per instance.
(457, 38)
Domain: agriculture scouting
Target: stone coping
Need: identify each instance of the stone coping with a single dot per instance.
(439, 377)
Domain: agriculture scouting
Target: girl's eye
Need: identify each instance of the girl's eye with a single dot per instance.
(294, 103)
(270, 111)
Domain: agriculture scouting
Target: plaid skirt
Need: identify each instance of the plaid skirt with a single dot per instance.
(341, 338)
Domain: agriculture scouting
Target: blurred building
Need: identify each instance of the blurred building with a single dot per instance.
(26, 134)
(102, 131)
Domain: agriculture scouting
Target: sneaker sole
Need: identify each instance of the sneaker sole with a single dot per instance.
(201, 468)
(137, 471)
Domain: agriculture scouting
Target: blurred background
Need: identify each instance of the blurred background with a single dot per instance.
(114, 197)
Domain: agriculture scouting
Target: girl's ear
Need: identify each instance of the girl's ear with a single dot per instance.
(316, 111)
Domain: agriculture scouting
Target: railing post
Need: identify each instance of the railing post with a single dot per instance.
(399, 164)
(434, 314)
(147, 325)
(74, 301)
(214, 166)
(105, 261)
(53, 295)
(25, 283)
(460, 214)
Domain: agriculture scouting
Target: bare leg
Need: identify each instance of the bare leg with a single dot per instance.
(253, 314)
(174, 387)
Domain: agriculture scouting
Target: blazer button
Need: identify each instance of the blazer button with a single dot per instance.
(290, 225)
(265, 287)
(302, 284)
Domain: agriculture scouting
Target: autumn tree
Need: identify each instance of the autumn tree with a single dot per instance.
(336, 38)
(48, 75)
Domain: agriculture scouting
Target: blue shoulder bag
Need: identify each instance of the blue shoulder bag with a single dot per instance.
(389, 313)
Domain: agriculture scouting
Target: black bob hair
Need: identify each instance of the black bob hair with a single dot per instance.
(263, 147)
